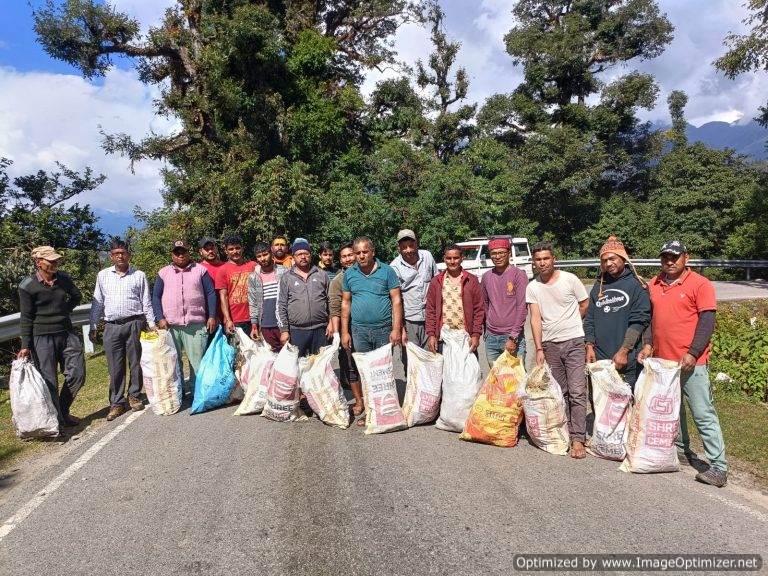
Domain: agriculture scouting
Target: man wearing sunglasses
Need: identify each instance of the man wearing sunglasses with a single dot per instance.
(683, 319)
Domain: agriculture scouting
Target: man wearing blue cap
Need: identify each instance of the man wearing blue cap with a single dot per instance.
(302, 303)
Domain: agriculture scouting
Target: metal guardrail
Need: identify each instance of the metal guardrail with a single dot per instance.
(9, 325)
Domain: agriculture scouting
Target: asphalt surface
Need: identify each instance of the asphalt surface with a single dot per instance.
(219, 494)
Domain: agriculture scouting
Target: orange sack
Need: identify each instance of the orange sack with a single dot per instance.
(498, 409)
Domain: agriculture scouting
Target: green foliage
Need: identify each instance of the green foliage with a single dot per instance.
(32, 213)
(740, 347)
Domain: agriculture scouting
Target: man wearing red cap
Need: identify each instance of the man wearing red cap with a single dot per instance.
(619, 311)
(504, 296)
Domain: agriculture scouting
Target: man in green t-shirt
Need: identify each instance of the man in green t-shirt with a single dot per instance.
(371, 307)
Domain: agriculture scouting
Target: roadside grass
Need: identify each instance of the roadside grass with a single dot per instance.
(744, 422)
(91, 406)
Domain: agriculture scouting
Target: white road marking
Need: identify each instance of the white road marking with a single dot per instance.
(56, 483)
(741, 507)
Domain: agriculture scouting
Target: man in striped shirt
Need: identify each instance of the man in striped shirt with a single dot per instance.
(123, 300)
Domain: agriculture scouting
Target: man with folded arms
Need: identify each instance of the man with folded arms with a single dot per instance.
(46, 301)
(122, 298)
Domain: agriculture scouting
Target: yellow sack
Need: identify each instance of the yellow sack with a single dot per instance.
(498, 409)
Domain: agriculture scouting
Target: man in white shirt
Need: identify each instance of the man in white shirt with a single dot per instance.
(557, 302)
(123, 300)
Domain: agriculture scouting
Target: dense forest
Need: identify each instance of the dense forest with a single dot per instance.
(277, 137)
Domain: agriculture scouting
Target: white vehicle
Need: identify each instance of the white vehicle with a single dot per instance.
(477, 257)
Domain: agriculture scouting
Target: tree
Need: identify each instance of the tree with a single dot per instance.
(748, 52)
(35, 211)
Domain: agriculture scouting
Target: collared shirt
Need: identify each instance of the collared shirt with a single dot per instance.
(414, 283)
(118, 296)
(45, 282)
(371, 300)
(676, 308)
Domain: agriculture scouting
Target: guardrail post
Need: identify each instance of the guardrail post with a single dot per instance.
(749, 276)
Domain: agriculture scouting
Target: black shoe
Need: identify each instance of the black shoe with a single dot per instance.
(713, 476)
(71, 421)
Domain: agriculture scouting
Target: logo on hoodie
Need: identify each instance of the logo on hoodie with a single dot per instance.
(613, 300)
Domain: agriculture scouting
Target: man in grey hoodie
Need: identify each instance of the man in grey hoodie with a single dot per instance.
(302, 303)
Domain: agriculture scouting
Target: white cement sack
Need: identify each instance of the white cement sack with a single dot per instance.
(544, 407)
(322, 389)
(421, 404)
(461, 380)
(283, 392)
(32, 410)
(382, 408)
(612, 398)
(163, 381)
(254, 372)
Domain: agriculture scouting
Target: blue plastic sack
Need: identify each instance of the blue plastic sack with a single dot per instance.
(216, 376)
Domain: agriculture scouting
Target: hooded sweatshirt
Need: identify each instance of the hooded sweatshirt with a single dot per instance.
(624, 303)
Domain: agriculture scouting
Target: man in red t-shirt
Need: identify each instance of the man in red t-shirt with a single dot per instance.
(232, 286)
(683, 304)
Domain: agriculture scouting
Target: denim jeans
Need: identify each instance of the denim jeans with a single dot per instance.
(369, 338)
(495, 344)
(696, 389)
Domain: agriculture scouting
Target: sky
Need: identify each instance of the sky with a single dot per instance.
(49, 113)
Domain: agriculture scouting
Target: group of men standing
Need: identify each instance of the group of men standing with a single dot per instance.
(281, 297)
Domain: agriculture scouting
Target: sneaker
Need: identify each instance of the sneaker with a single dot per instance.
(713, 476)
(135, 403)
(115, 411)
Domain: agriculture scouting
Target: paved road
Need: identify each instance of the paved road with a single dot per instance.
(217, 494)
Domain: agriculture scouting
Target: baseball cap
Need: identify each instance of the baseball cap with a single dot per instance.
(46, 253)
(203, 241)
(674, 247)
(179, 244)
(406, 234)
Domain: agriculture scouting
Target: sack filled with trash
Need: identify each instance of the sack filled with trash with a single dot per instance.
(322, 389)
(163, 381)
(283, 392)
(498, 409)
(612, 398)
(254, 372)
(421, 404)
(382, 408)
(654, 419)
(215, 378)
(546, 420)
(461, 380)
(33, 412)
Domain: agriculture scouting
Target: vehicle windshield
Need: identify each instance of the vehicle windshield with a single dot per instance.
(469, 252)
(521, 250)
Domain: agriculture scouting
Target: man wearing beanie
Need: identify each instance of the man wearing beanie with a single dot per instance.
(619, 311)
(262, 296)
(302, 303)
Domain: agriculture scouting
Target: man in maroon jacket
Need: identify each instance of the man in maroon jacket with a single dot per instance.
(454, 300)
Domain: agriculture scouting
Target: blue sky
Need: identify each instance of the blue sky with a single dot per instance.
(48, 112)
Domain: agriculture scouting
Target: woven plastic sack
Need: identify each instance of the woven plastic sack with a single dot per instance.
(461, 380)
(160, 368)
(498, 409)
(255, 369)
(283, 392)
(421, 404)
(215, 377)
(33, 411)
(545, 418)
(322, 389)
(382, 409)
(612, 399)
(654, 419)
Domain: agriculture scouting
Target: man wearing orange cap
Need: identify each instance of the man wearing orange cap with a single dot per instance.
(46, 301)
(618, 313)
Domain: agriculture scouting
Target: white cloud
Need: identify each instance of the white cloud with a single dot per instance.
(46, 118)
(147, 12)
